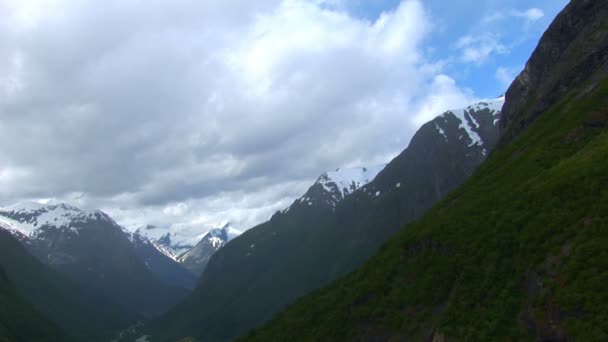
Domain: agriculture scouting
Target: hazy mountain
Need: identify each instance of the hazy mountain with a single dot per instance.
(196, 259)
(91, 249)
(79, 312)
(168, 270)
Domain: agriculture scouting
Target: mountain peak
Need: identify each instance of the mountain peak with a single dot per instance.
(333, 186)
(196, 259)
(29, 217)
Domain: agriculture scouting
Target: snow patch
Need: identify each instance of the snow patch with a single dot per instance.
(468, 122)
(441, 131)
(346, 181)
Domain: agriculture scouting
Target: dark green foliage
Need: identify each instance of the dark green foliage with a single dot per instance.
(518, 252)
(19, 321)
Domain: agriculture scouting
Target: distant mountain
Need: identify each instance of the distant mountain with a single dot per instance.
(518, 253)
(330, 231)
(196, 259)
(165, 268)
(91, 249)
(82, 314)
(171, 241)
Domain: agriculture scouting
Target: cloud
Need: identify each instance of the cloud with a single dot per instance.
(506, 75)
(531, 15)
(478, 48)
(191, 112)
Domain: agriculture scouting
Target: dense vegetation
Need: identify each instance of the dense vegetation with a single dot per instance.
(518, 252)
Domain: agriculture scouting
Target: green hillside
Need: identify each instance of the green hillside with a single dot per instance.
(520, 251)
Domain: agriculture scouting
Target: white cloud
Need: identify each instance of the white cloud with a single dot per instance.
(531, 15)
(195, 112)
(478, 48)
(444, 94)
(505, 76)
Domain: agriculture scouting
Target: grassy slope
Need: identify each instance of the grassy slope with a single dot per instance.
(518, 252)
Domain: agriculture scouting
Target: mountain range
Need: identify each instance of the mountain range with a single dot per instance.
(332, 229)
(492, 224)
(91, 249)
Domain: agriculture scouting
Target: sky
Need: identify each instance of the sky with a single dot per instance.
(193, 113)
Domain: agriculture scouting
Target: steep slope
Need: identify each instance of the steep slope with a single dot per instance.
(19, 321)
(197, 258)
(91, 249)
(166, 269)
(517, 253)
(81, 314)
(326, 234)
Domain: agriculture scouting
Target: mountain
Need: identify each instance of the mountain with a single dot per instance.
(166, 269)
(330, 231)
(82, 314)
(519, 251)
(196, 259)
(19, 321)
(332, 187)
(92, 250)
(171, 241)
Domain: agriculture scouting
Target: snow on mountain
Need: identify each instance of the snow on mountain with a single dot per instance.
(170, 240)
(332, 187)
(196, 259)
(343, 182)
(175, 241)
(28, 218)
(468, 121)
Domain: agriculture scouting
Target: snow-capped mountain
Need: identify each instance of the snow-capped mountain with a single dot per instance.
(165, 268)
(93, 250)
(476, 123)
(32, 220)
(332, 187)
(196, 259)
(171, 241)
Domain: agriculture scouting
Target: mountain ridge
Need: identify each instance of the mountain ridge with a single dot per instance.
(513, 254)
(313, 242)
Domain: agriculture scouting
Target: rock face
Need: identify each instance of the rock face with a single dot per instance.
(92, 250)
(335, 227)
(196, 259)
(575, 44)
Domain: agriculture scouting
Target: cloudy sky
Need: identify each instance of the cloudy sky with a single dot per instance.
(190, 113)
